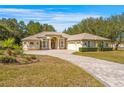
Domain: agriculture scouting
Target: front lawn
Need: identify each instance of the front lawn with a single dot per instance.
(49, 72)
(115, 56)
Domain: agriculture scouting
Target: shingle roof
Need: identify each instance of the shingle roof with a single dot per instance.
(30, 38)
(83, 36)
(43, 34)
(86, 36)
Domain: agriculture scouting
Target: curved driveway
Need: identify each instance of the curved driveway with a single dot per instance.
(110, 73)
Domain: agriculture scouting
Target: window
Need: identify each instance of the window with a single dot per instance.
(86, 44)
(105, 44)
(45, 43)
(24, 43)
(31, 43)
(89, 44)
(62, 43)
(92, 44)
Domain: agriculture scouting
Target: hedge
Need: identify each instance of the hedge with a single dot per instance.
(81, 49)
(106, 49)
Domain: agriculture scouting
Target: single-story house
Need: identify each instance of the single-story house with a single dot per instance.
(57, 40)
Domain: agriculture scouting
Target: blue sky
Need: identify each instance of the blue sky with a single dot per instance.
(60, 16)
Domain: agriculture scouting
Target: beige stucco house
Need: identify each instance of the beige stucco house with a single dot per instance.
(57, 40)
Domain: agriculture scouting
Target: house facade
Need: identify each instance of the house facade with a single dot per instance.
(57, 40)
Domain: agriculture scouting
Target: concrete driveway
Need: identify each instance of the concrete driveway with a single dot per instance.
(109, 73)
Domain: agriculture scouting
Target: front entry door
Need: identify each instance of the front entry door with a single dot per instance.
(53, 44)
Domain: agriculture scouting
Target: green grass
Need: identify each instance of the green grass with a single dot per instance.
(1, 51)
(49, 72)
(115, 56)
(1, 43)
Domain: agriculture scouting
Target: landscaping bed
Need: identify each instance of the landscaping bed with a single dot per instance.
(25, 59)
(16, 57)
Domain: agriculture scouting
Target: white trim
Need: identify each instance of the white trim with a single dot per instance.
(45, 41)
(62, 45)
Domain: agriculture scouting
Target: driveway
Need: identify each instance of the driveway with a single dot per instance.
(109, 73)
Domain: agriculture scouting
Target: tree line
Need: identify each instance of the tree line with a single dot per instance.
(111, 27)
(19, 29)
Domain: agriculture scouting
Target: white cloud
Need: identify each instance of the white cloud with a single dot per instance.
(14, 10)
(73, 17)
(59, 20)
(21, 12)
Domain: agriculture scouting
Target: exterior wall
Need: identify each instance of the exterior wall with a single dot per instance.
(44, 43)
(90, 43)
(31, 45)
(49, 42)
(105, 43)
(62, 43)
(75, 45)
(94, 43)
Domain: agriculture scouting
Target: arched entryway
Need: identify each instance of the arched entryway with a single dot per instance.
(54, 43)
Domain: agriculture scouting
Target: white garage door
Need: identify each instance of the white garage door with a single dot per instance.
(74, 47)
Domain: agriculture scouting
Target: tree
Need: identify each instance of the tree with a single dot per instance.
(33, 27)
(111, 27)
(11, 28)
(46, 27)
(9, 43)
(5, 32)
(23, 28)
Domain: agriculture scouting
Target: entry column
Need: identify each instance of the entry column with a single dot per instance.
(49, 43)
(57, 43)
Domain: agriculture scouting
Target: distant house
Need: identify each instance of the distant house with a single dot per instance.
(57, 40)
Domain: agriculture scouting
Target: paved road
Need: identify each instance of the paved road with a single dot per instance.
(110, 73)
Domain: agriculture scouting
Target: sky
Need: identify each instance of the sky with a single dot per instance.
(60, 16)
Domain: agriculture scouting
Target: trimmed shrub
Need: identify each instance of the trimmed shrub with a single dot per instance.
(86, 49)
(81, 49)
(7, 59)
(107, 49)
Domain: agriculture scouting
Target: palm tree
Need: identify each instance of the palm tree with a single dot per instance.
(8, 44)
